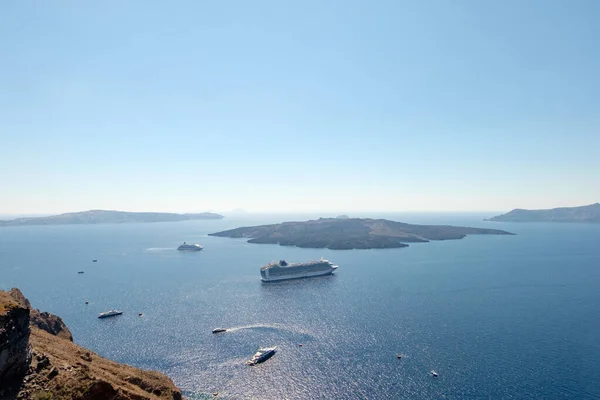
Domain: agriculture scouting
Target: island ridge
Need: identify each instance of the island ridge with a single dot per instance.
(107, 217)
(590, 213)
(351, 233)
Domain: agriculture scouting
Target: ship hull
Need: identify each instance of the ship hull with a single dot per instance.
(189, 248)
(108, 316)
(257, 359)
(298, 276)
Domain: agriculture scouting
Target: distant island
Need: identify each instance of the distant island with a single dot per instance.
(107, 217)
(589, 213)
(351, 233)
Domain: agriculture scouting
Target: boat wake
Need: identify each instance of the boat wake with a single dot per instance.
(271, 327)
(256, 326)
(160, 249)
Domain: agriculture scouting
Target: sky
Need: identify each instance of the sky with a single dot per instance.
(187, 106)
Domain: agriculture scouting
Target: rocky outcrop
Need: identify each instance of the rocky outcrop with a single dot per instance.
(50, 323)
(38, 360)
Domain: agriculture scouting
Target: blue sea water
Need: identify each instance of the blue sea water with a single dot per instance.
(498, 317)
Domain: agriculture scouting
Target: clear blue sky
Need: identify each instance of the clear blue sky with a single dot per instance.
(306, 105)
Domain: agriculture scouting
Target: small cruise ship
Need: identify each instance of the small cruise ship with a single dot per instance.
(262, 355)
(110, 313)
(278, 271)
(190, 247)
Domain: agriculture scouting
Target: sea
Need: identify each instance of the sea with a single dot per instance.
(497, 317)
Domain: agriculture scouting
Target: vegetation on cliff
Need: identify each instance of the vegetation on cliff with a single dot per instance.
(351, 233)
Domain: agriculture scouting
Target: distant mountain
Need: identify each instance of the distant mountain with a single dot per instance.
(107, 217)
(352, 233)
(589, 213)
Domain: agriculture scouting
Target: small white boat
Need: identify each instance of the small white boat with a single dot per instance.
(433, 373)
(110, 313)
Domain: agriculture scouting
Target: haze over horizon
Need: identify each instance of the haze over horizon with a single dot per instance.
(272, 107)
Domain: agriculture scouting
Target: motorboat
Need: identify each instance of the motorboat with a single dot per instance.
(262, 355)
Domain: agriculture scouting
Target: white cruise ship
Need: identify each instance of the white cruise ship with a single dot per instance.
(110, 313)
(190, 247)
(279, 271)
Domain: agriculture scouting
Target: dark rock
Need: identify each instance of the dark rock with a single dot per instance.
(100, 390)
(42, 362)
(134, 380)
(53, 372)
(15, 352)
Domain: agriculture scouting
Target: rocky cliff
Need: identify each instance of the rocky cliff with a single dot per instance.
(38, 360)
(15, 351)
